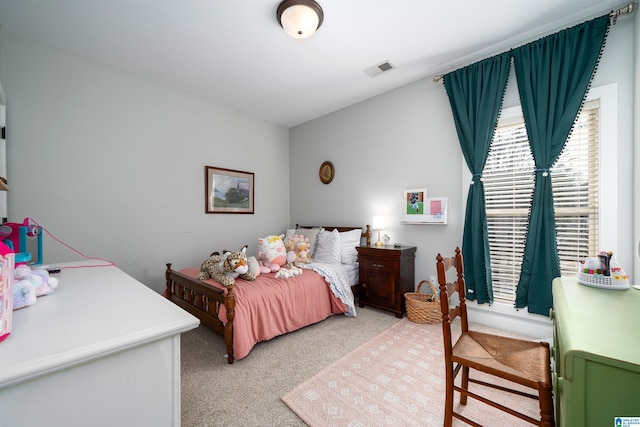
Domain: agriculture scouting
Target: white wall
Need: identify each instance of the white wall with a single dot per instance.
(616, 66)
(406, 138)
(113, 165)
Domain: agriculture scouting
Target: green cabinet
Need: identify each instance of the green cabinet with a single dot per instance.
(596, 354)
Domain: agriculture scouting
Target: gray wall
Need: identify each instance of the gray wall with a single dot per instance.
(113, 165)
(406, 139)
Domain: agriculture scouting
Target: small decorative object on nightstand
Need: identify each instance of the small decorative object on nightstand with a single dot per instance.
(378, 224)
(386, 274)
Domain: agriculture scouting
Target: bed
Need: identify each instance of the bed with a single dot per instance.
(249, 312)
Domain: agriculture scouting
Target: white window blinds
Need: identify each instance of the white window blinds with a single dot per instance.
(508, 178)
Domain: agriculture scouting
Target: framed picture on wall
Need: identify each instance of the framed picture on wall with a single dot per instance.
(436, 210)
(413, 206)
(228, 191)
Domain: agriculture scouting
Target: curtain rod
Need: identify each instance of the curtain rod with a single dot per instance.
(613, 16)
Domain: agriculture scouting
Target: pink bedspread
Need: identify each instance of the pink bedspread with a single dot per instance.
(268, 307)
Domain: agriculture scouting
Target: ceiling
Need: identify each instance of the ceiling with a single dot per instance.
(234, 53)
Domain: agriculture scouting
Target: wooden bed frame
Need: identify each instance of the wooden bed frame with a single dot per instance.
(203, 300)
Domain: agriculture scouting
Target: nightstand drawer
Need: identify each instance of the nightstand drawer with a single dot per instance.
(379, 265)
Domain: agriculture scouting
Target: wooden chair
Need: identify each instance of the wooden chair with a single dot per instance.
(519, 361)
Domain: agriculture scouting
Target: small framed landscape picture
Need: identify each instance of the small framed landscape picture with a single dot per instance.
(413, 205)
(228, 191)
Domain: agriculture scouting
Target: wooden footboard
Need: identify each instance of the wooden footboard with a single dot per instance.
(203, 301)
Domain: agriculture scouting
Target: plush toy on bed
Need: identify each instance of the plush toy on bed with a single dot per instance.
(254, 266)
(285, 273)
(302, 251)
(226, 267)
(289, 246)
(272, 254)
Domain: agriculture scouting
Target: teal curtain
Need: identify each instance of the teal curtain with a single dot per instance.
(475, 93)
(553, 76)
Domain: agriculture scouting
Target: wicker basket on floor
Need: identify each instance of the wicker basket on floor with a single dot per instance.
(423, 308)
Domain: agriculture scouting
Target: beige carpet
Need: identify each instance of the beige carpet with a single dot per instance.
(247, 393)
(395, 379)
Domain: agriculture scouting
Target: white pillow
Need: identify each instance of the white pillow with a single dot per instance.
(327, 247)
(348, 242)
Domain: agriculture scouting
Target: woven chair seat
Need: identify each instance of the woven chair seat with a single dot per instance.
(523, 362)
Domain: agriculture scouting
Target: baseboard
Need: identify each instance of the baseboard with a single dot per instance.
(508, 318)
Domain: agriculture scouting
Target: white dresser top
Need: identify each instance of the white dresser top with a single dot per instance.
(94, 311)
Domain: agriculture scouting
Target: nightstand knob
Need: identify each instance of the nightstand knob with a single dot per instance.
(378, 265)
(364, 285)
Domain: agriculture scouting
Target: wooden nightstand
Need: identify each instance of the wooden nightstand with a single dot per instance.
(386, 273)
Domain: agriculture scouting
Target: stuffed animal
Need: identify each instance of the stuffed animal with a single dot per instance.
(284, 273)
(49, 284)
(289, 246)
(226, 267)
(303, 252)
(254, 266)
(38, 277)
(302, 248)
(24, 294)
(271, 253)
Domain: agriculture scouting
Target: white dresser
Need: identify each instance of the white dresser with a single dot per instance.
(102, 350)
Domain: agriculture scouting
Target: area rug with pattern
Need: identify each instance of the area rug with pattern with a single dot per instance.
(395, 379)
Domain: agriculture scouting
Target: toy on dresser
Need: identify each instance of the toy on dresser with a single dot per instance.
(6, 290)
(30, 283)
(604, 272)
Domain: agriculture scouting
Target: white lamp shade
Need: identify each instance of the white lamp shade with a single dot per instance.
(299, 21)
(378, 223)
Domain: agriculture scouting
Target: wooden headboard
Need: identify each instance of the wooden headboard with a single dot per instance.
(366, 234)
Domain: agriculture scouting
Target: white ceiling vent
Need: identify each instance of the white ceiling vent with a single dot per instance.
(383, 67)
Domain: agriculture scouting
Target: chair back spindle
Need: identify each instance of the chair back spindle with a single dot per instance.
(447, 289)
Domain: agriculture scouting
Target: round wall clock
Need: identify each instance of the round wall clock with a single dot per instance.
(326, 172)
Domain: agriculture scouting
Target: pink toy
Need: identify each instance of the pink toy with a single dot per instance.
(271, 253)
(6, 290)
(301, 248)
(18, 238)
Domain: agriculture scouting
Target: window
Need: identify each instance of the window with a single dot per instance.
(508, 178)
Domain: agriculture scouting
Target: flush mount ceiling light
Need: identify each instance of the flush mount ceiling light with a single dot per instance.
(300, 18)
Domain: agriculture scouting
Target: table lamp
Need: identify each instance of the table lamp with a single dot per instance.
(378, 224)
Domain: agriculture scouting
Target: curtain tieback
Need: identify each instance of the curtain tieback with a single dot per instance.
(545, 172)
(475, 176)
